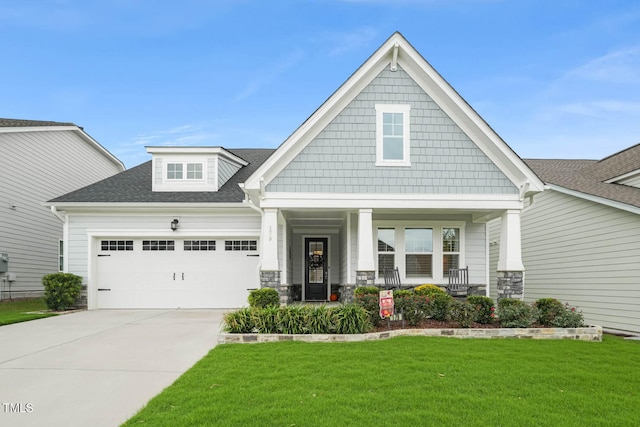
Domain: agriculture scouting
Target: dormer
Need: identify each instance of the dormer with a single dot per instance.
(192, 168)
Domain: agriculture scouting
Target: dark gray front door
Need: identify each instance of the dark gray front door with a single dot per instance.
(316, 268)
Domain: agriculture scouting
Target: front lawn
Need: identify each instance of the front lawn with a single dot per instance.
(14, 311)
(407, 381)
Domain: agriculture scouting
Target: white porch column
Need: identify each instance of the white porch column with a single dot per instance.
(510, 243)
(269, 241)
(510, 274)
(365, 241)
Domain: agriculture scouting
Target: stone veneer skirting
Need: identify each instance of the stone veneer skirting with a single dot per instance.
(589, 333)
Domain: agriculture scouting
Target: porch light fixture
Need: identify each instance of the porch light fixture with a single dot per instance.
(174, 224)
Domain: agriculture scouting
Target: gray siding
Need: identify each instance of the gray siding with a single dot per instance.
(225, 171)
(36, 167)
(585, 254)
(342, 157)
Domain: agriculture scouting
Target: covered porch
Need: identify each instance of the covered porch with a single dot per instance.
(310, 254)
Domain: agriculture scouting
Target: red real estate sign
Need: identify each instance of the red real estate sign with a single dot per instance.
(386, 304)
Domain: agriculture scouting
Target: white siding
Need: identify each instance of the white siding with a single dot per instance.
(36, 167)
(222, 224)
(633, 181)
(585, 254)
(475, 253)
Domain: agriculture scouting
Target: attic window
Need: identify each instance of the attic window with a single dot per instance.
(176, 171)
(392, 135)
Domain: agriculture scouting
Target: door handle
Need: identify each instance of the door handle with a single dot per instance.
(174, 276)
(182, 276)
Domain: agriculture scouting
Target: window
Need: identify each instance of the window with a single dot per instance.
(386, 249)
(60, 255)
(175, 171)
(158, 245)
(450, 249)
(116, 245)
(392, 135)
(199, 245)
(418, 248)
(240, 245)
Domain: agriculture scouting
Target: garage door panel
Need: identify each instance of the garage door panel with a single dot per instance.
(177, 278)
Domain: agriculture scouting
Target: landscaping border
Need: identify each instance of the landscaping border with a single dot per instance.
(588, 333)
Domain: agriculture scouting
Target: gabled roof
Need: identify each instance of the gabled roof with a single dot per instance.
(589, 177)
(30, 123)
(135, 186)
(398, 51)
(20, 125)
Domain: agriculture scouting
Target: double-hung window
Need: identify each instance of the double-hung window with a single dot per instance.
(450, 249)
(386, 249)
(392, 135)
(418, 246)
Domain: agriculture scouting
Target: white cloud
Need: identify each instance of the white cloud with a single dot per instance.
(264, 76)
(621, 66)
(345, 42)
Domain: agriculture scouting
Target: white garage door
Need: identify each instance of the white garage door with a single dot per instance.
(176, 273)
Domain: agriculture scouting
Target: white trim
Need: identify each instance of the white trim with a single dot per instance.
(178, 234)
(632, 174)
(181, 150)
(595, 199)
(405, 110)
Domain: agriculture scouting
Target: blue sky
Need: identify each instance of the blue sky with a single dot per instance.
(555, 79)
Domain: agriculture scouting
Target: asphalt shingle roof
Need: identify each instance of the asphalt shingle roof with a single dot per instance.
(589, 176)
(134, 185)
(17, 123)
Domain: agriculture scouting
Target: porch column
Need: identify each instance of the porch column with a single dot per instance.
(269, 268)
(510, 272)
(365, 274)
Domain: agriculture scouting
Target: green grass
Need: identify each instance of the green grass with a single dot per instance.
(407, 381)
(20, 310)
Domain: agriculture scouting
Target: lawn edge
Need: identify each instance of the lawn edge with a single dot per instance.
(588, 333)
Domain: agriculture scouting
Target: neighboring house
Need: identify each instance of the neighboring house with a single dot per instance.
(395, 169)
(581, 237)
(40, 160)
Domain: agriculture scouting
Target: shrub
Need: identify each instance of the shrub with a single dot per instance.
(240, 321)
(264, 297)
(438, 306)
(548, 310)
(321, 320)
(61, 290)
(429, 290)
(371, 303)
(463, 313)
(568, 317)
(402, 293)
(413, 307)
(292, 319)
(352, 319)
(266, 320)
(366, 290)
(484, 308)
(516, 314)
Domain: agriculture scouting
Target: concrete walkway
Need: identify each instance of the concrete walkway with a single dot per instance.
(97, 368)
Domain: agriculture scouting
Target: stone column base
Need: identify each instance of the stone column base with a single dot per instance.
(271, 279)
(346, 293)
(365, 278)
(510, 285)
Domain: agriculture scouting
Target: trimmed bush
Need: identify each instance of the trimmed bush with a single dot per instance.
(429, 290)
(366, 290)
(61, 290)
(413, 307)
(463, 313)
(438, 307)
(484, 308)
(568, 317)
(371, 303)
(516, 314)
(548, 310)
(264, 297)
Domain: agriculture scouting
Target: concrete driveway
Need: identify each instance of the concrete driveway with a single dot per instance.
(97, 368)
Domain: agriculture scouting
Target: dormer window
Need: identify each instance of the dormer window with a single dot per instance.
(175, 171)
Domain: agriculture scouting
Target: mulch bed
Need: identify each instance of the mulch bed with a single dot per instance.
(434, 324)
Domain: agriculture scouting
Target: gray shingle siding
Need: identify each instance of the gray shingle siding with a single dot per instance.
(342, 157)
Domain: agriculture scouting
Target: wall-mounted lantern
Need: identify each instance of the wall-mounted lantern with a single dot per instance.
(174, 224)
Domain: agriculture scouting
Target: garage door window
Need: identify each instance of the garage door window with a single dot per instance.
(116, 245)
(199, 245)
(158, 245)
(240, 245)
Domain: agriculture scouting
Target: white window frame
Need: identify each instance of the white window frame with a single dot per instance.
(395, 244)
(406, 252)
(185, 171)
(405, 109)
(438, 276)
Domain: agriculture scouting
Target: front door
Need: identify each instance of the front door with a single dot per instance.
(316, 274)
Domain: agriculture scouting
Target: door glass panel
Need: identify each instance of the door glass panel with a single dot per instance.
(316, 262)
